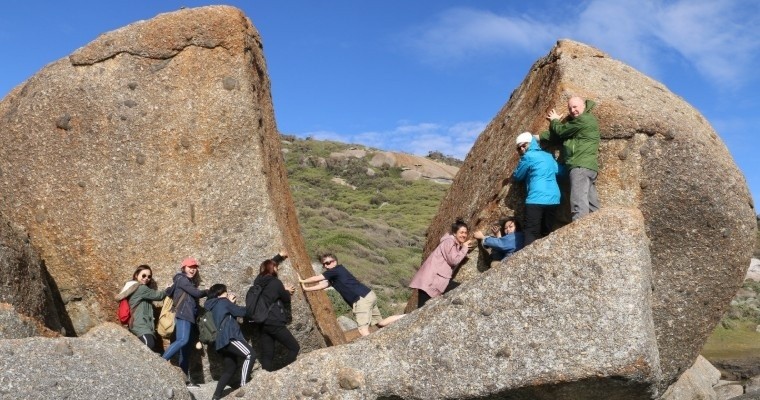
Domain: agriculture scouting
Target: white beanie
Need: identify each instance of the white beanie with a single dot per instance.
(525, 137)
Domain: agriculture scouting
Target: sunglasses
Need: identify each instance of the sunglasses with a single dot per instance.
(142, 276)
(328, 262)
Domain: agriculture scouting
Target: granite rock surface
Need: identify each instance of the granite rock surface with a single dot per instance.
(155, 142)
(658, 155)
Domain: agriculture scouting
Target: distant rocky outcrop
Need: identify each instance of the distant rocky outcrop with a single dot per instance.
(658, 155)
(106, 363)
(154, 142)
(415, 167)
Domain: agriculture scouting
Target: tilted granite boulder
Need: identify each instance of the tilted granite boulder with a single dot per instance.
(26, 285)
(106, 363)
(544, 325)
(155, 142)
(658, 154)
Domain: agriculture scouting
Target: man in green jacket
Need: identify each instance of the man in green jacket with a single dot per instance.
(580, 148)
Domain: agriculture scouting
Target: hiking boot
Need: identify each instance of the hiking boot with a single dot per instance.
(191, 385)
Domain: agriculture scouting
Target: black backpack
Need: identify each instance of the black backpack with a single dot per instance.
(257, 309)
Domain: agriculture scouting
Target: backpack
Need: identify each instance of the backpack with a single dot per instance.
(256, 309)
(165, 327)
(207, 330)
(125, 313)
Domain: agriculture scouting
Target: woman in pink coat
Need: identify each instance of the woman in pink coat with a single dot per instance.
(434, 277)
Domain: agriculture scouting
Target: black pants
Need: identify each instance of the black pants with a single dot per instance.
(268, 335)
(539, 221)
(149, 341)
(423, 297)
(237, 354)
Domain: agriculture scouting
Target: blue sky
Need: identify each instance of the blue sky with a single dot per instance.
(428, 75)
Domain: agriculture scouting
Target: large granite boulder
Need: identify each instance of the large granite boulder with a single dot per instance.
(545, 325)
(26, 286)
(106, 363)
(155, 142)
(659, 155)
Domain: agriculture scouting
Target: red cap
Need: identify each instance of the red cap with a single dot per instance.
(189, 262)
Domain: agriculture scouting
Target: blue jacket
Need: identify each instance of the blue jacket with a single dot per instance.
(187, 309)
(539, 171)
(504, 246)
(225, 315)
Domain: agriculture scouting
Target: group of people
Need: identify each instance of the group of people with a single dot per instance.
(579, 139)
(230, 343)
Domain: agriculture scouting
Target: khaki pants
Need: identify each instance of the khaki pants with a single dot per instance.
(366, 311)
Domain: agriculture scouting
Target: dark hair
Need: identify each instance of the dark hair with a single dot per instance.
(141, 268)
(216, 290)
(518, 225)
(267, 268)
(458, 224)
(325, 255)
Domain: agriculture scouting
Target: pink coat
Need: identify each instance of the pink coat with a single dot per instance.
(435, 273)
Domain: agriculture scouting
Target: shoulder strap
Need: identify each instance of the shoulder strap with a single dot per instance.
(179, 301)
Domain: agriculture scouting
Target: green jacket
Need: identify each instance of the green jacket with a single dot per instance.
(142, 310)
(579, 137)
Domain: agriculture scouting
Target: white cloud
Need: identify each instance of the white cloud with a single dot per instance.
(719, 38)
(460, 32)
(421, 138)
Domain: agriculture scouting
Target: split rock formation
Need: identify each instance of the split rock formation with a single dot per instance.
(155, 142)
(658, 155)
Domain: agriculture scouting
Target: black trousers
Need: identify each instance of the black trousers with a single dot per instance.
(237, 354)
(268, 335)
(149, 341)
(423, 297)
(539, 221)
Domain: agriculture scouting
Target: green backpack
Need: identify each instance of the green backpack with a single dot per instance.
(207, 330)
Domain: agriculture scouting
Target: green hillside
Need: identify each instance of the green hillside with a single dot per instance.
(377, 230)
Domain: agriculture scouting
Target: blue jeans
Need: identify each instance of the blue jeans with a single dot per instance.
(181, 344)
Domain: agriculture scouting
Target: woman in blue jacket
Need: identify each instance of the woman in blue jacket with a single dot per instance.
(538, 169)
(230, 343)
(185, 294)
(507, 238)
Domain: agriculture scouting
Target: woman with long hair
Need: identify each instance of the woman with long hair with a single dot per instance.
(274, 329)
(185, 294)
(230, 343)
(507, 238)
(434, 276)
(141, 292)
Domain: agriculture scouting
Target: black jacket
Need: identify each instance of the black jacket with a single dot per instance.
(274, 292)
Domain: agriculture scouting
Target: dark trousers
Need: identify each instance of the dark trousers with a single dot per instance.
(539, 221)
(423, 297)
(149, 341)
(268, 335)
(237, 354)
